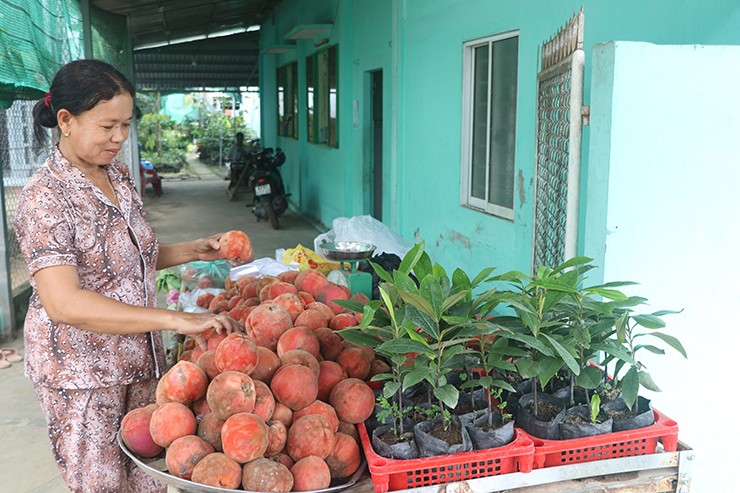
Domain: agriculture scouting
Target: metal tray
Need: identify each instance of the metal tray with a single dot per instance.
(347, 250)
(157, 469)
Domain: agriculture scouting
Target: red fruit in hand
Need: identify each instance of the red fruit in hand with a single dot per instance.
(236, 247)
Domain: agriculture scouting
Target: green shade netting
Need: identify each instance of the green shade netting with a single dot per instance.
(110, 40)
(179, 107)
(37, 37)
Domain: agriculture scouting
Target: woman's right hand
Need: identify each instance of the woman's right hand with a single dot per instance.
(194, 324)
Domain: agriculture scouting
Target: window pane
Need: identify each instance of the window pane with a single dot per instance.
(309, 98)
(293, 129)
(503, 122)
(322, 96)
(479, 152)
(281, 80)
(333, 62)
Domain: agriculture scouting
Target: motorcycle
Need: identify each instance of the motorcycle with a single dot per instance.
(270, 199)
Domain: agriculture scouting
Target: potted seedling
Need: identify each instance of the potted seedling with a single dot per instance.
(633, 335)
(542, 328)
(441, 316)
(383, 329)
(585, 420)
(493, 425)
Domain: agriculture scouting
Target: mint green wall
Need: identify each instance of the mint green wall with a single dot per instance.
(666, 145)
(418, 44)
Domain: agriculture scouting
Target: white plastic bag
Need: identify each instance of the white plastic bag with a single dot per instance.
(366, 229)
(265, 266)
(189, 299)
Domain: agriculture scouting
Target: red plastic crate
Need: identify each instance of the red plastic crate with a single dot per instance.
(628, 443)
(393, 475)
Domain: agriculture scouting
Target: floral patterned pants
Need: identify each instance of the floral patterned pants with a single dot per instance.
(82, 427)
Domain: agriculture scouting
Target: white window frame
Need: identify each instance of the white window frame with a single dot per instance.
(467, 200)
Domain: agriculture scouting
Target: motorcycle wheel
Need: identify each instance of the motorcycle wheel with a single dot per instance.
(271, 215)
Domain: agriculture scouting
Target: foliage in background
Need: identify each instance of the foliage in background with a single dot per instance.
(215, 133)
(165, 143)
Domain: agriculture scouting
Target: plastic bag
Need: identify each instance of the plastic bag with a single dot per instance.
(366, 229)
(202, 274)
(307, 259)
(261, 267)
(188, 301)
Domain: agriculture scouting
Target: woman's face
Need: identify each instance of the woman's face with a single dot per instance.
(95, 137)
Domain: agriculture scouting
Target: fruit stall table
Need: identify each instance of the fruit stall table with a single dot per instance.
(661, 472)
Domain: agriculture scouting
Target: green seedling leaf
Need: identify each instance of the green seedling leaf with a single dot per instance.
(531, 341)
(418, 302)
(396, 346)
(432, 293)
(423, 266)
(595, 407)
(649, 347)
(398, 359)
(647, 381)
(360, 338)
(381, 272)
(390, 389)
(547, 369)
(460, 281)
(424, 321)
(649, 321)
(573, 262)
(671, 341)
(454, 299)
(379, 377)
(482, 275)
(527, 367)
(614, 350)
(448, 394)
(611, 294)
(590, 377)
(415, 335)
(352, 305)
(567, 358)
(630, 386)
(403, 282)
(416, 375)
(411, 258)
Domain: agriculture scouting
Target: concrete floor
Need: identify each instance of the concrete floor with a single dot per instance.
(191, 206)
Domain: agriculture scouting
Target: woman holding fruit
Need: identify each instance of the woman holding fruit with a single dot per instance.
(92, 340)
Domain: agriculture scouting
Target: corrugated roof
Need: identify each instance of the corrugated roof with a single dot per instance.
(216, 63)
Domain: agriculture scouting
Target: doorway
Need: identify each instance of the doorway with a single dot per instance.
(376, 143)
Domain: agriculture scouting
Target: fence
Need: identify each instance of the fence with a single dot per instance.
(20, 157)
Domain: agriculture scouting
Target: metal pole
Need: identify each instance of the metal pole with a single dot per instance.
(86, 29)
(574, 155)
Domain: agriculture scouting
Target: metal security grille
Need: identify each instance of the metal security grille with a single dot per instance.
(20, 157)
(558, 153)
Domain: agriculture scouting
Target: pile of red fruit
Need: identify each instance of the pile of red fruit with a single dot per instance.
(273, 409)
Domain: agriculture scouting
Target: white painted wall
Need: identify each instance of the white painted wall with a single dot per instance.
(671, 140)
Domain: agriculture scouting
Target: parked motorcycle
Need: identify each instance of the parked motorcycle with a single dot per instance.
(270, 199)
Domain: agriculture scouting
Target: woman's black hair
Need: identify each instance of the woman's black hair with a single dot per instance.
(78, 87)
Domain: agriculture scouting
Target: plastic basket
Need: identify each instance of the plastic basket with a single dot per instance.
(392, 475)
(628, 443)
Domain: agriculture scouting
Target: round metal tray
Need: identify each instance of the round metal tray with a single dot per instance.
(347, 250)
(157, 469)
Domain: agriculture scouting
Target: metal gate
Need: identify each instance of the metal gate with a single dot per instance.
(558, 152)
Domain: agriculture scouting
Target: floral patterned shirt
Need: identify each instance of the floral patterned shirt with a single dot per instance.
(62, 219)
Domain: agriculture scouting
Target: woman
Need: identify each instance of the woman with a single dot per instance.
(92, 340)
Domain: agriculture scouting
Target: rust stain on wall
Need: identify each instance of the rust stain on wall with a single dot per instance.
(522, 195)
(460, 238)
